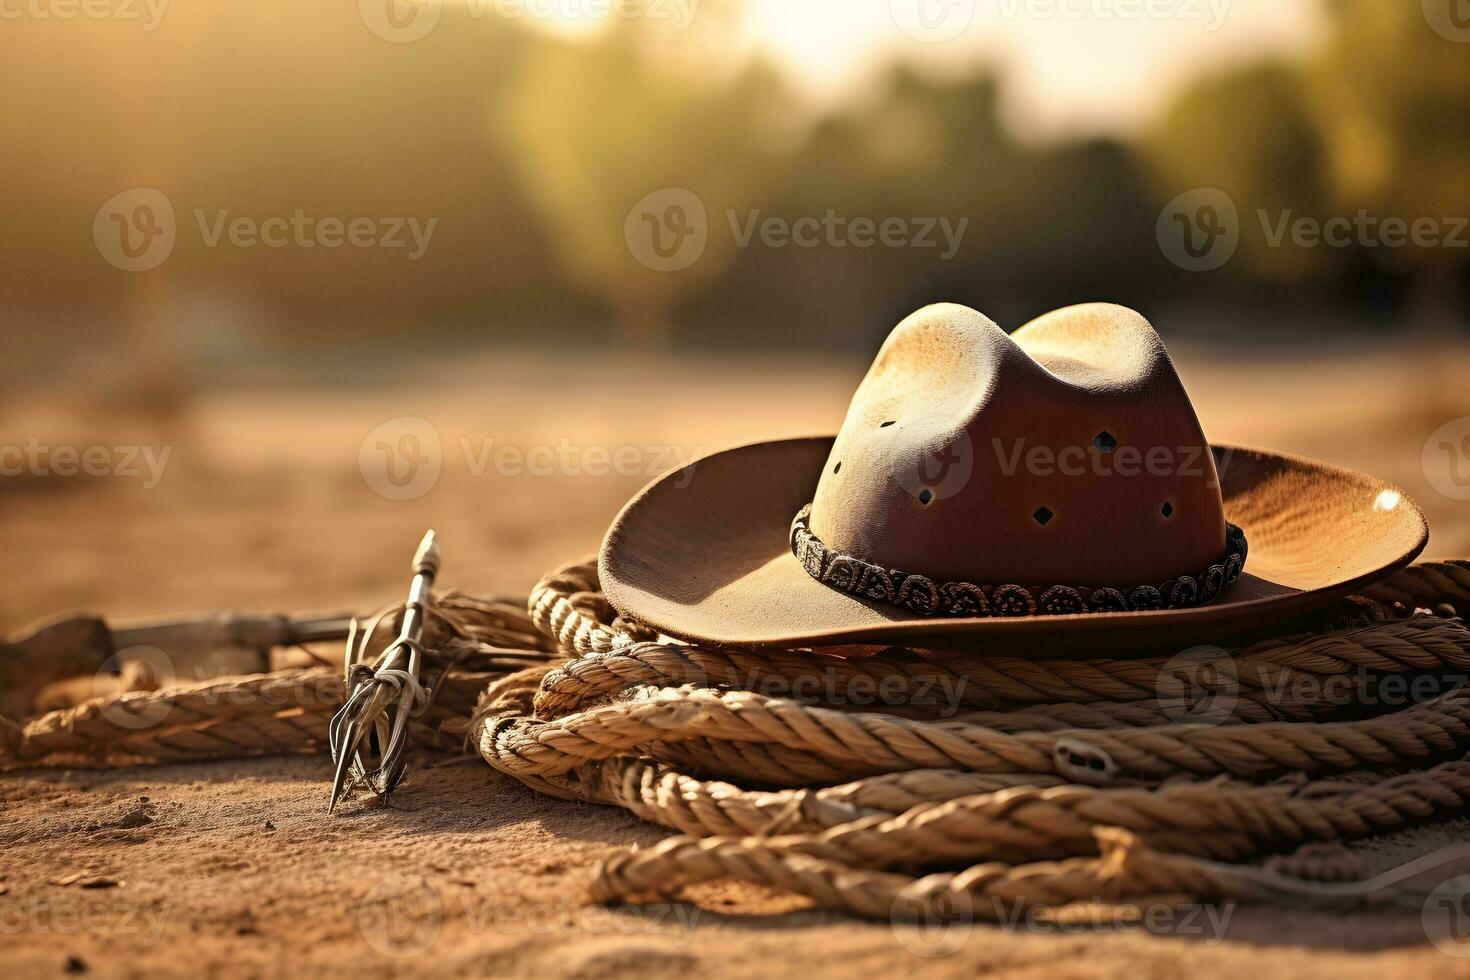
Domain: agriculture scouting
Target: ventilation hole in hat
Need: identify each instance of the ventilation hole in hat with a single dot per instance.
(926, 495)
(887, 424)
(1104, 440)
(838, 467)
(1042, 515)
(1167, 510)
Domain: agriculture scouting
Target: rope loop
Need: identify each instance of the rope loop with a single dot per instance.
(1040, 784)
(1066, 780)
(1083, 763)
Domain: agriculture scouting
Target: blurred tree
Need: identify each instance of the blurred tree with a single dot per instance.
(1249, 132)
(917, 149)
(1392, 97)
(1392, 94)
(348, 137)
(1087, 231)
(237, 114)
(597, 127)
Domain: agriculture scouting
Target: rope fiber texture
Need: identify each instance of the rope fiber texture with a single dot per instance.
(906, 781)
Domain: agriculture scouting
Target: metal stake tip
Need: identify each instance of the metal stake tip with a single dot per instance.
(428, 554)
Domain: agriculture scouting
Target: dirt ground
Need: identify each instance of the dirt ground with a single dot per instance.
(275, 501)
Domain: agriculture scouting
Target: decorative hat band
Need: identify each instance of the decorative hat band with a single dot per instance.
(927, 597)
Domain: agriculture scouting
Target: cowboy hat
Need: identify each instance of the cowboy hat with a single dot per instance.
(987, 487)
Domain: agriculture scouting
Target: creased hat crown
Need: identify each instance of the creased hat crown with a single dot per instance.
(1067, 453)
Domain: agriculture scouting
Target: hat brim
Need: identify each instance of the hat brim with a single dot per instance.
(703, 554)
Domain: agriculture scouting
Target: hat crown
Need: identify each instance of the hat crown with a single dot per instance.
(1067, 453)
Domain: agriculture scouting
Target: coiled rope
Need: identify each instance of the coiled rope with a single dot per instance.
(1224, 774)
(1050, 782)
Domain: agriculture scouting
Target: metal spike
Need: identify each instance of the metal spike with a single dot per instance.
(339, 777)
(427, 557)
(381, 702)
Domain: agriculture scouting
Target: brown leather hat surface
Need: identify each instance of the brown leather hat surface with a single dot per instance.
(983, 486)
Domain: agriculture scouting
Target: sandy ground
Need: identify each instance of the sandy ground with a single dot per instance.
(265, 503)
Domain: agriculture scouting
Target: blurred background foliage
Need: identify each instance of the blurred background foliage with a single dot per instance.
(531, 146)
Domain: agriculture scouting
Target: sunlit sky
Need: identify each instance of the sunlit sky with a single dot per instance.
(1071, 65)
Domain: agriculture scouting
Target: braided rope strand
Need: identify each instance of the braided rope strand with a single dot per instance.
(1045, 782)
(832, 843)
